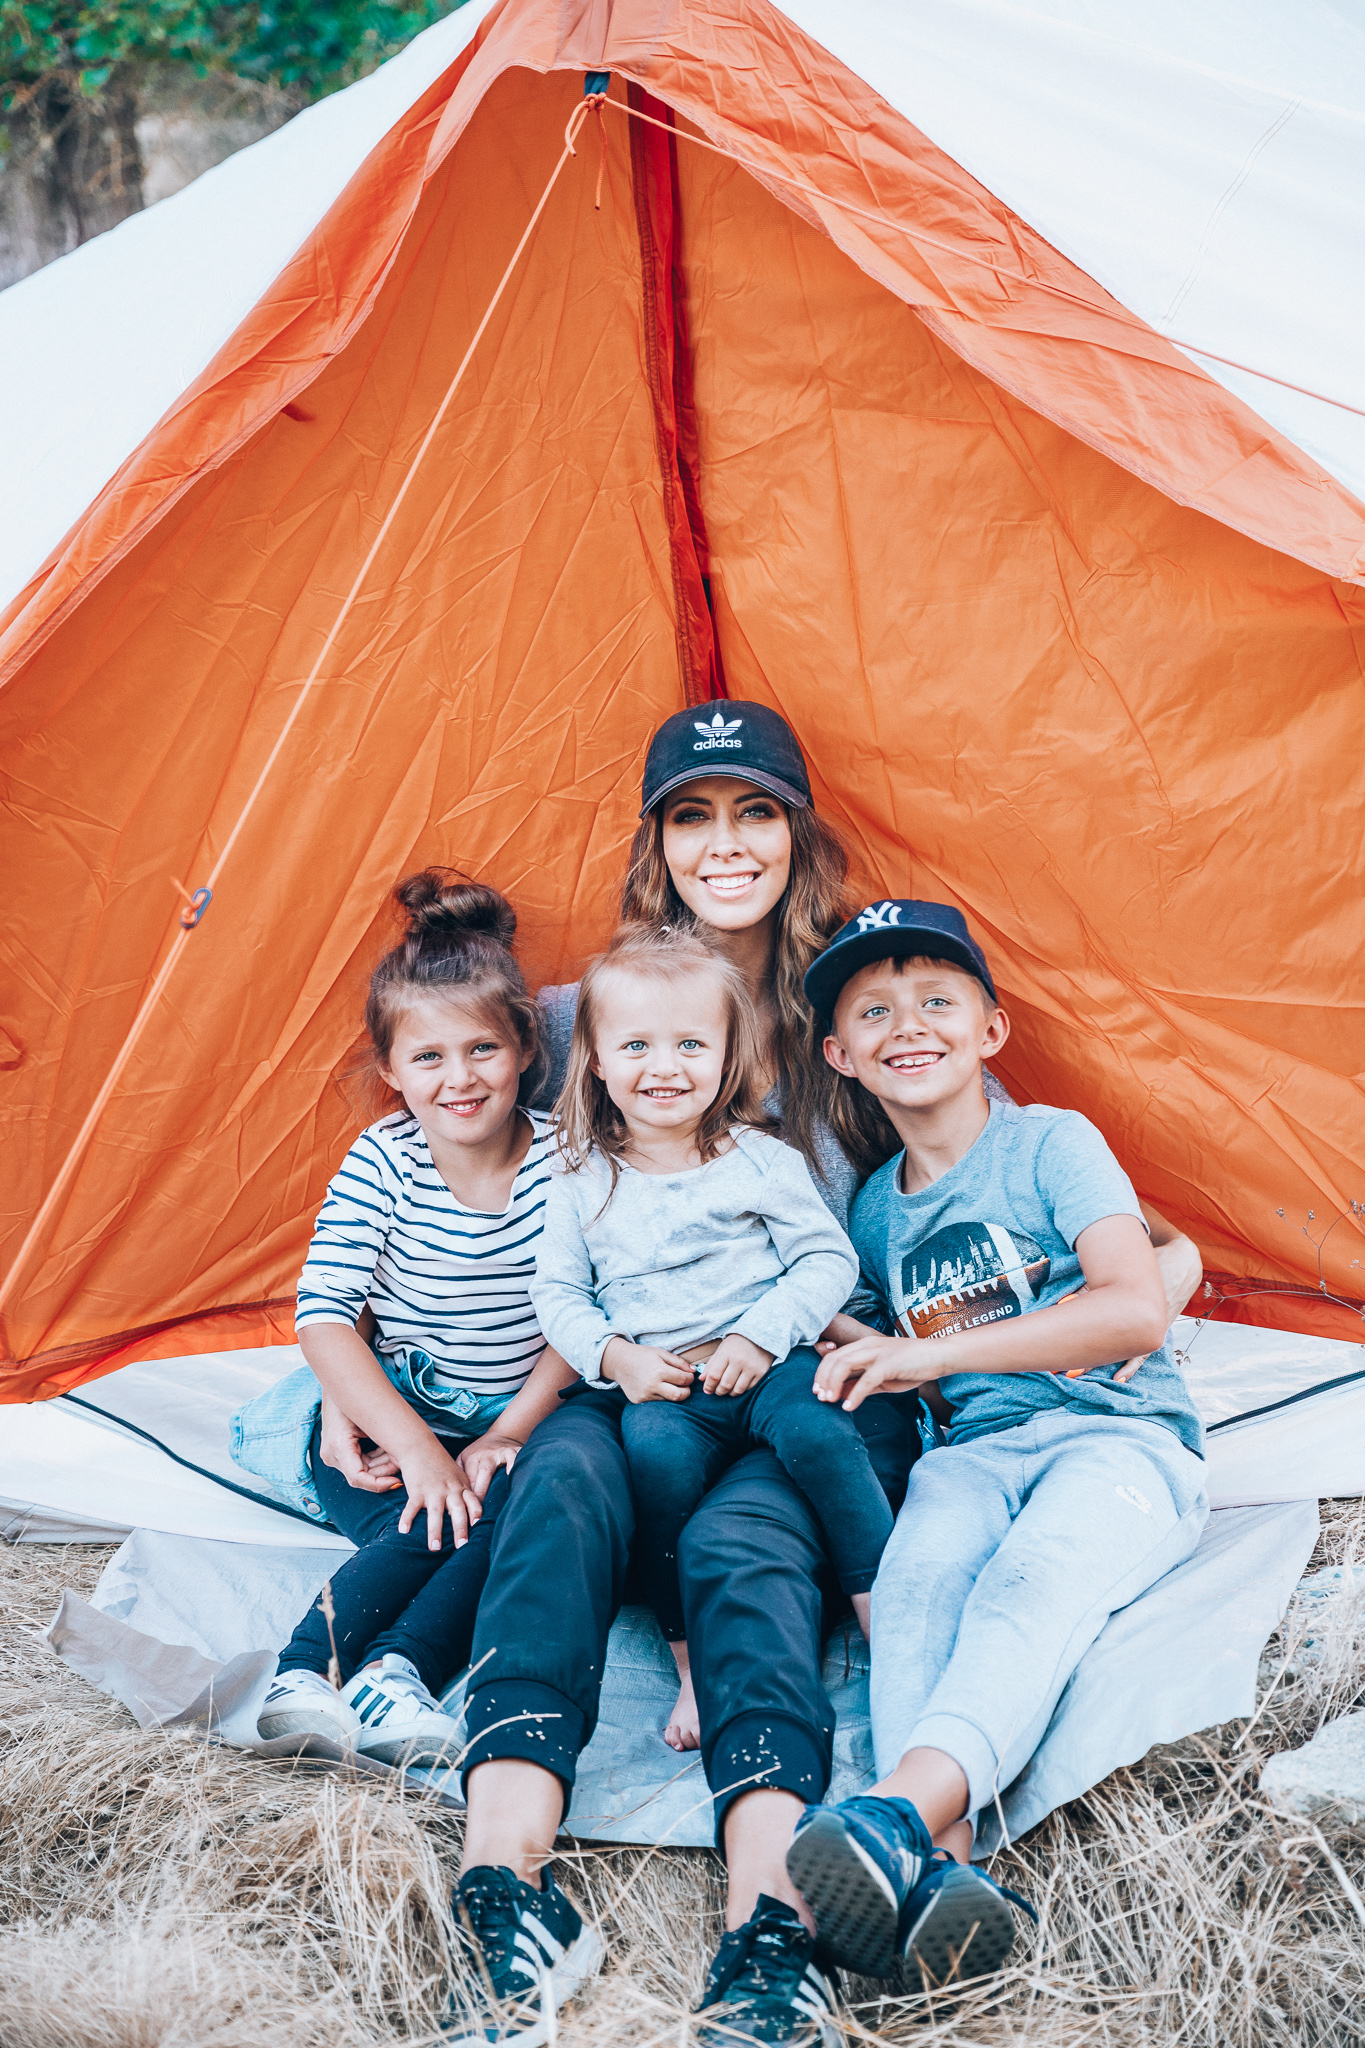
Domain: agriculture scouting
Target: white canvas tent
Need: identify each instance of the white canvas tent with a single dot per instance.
(1205, 164)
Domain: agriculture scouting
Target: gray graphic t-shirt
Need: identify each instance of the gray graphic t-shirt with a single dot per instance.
(993, 1238)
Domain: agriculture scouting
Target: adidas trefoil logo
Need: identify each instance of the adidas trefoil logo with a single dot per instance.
(718, 733)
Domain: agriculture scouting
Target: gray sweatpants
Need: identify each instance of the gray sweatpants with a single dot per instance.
(1010, 1554)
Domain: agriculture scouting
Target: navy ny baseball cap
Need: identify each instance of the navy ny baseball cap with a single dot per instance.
(898, 929)
(723, 738)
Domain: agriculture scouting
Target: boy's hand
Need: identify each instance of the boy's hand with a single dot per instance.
(877, 1365)
(437, 1487)
(644, 1373)
(734, 1366)
(492, 1452)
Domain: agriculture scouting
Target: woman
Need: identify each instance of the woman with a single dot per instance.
(729, 843)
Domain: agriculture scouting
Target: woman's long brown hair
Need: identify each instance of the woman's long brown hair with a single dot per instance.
(811, 910)
(587, 1117)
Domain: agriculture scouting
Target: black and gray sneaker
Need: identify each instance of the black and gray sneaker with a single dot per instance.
(856, 1864)
(958, 1923)
(528, 1952)
(763, 1987)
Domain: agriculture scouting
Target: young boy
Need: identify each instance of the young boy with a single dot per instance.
(1004, 1257)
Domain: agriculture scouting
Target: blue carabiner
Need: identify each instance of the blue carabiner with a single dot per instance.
(195, 908)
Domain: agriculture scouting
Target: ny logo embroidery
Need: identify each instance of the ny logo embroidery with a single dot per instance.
(878, 916)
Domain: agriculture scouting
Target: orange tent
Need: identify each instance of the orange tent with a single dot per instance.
(800, 411)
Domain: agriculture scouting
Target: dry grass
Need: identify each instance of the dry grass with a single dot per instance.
(156, 1893)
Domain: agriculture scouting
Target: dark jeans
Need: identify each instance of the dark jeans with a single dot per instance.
(677, 1450)
(758, 1595)
(395, 1594)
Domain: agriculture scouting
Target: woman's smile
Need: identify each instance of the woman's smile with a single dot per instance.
(733, 883)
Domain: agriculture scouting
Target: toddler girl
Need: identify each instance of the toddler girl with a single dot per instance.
(428, 1236)
(688, 1260)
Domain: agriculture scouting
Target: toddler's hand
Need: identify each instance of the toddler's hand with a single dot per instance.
(877, 1365)
(644, 1373)
(734, 1366)
(492, 1452)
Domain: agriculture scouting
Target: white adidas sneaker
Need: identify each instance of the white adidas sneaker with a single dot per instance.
(303, 1703)
(400, 1722)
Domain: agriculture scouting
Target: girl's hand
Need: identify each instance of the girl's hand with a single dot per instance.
(734, 1366)
(644, 1373)
(370, 1471)
(492, 1452)
(380, 1464)
(436, 1487)
(877, 1365)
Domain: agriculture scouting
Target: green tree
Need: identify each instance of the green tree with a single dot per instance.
(74, 80)
(291, 43)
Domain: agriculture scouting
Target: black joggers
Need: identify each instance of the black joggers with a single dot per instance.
(756, 1586)
(395, 1594)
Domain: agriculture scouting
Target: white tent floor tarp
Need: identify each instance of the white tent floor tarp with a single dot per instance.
(83, 1465)
(1196, 1639)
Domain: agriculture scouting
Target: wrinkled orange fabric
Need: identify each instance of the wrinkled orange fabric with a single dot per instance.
(1118, 731)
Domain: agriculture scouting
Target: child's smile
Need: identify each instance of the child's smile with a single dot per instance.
(913, 1032)
(661, 1044)
(458, 1073)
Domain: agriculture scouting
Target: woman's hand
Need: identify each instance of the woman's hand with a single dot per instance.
(877, 1365)
(371, 1471)
(1181, 1270)
(644, 1373)
(437, 1487)
(735, 1365)
(492, 1452)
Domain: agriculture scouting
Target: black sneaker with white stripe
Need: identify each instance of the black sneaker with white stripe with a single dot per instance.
(763, 1987)
(527, 1952)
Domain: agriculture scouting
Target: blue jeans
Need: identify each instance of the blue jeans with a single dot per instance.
(1009, 1556)
(677, 1451)
(396, 1594)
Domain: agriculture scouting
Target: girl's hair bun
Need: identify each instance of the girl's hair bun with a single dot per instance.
(441, 903)
(457, 943)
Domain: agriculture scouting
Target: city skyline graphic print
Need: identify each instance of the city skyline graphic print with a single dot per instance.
(969, 1274)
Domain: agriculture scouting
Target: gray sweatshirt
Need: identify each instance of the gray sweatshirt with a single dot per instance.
(741, 1245)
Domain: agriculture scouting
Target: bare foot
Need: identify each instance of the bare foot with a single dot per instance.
(957, 1840)
(684, 1724)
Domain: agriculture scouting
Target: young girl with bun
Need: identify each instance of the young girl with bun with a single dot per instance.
(428, 1236)
(689, 1264)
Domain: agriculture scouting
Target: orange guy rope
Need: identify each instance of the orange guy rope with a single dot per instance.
(882, 220)
(178, 944)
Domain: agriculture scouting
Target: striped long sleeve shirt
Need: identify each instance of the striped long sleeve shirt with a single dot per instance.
(440, 1278)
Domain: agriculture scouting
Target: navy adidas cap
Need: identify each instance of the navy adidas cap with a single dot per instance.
(722, 738)
(894, 930)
